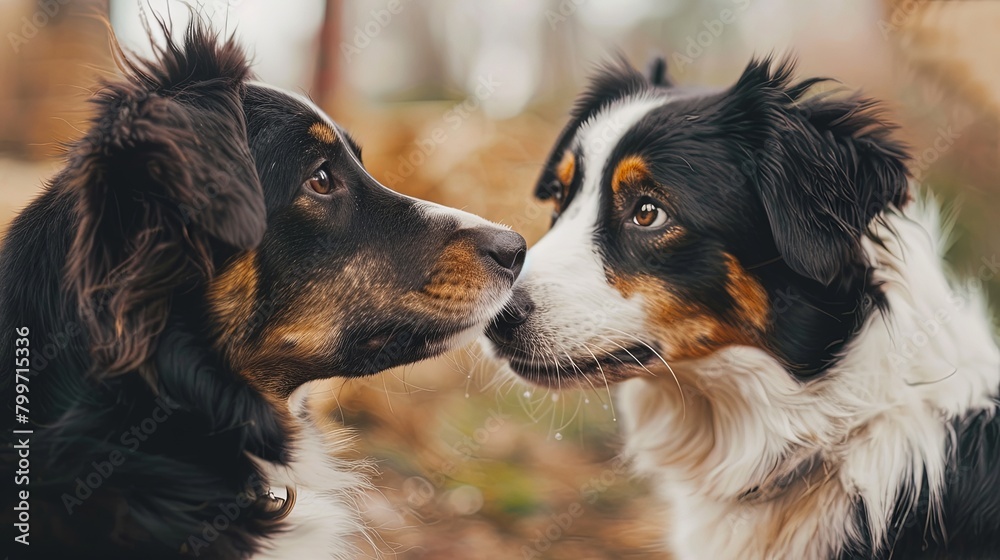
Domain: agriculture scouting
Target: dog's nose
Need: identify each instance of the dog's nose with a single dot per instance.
(516, 312)
(504, 247)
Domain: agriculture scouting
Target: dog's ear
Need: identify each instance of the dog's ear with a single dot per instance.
(823, 167)
(163, 177)
(613, 80)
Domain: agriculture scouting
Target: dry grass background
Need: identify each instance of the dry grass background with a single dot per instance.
(473, 464)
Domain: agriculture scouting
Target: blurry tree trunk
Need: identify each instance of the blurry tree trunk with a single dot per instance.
(327, 52)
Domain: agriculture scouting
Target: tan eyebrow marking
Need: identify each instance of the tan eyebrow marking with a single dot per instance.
(323, 133)
(566, 168)
(631, 168)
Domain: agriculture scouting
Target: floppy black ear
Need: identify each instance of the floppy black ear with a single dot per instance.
(823, 167)
(163, 176)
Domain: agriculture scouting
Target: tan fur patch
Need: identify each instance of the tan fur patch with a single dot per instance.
(280, 359)
(301, 333)
(232, 295)
(295, 333)
(689, 329)
(457, 280)
(566, 169)
(630, 169)
(323, 133)
(303, 324)
(748, 294)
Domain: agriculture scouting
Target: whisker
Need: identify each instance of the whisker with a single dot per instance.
(408, 385)
(601, 369)
(582, 376)
(388, 400)
(670, 369)
(607, 389)
(576, 412)
(631, 355)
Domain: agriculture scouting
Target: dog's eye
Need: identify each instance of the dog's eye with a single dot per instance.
(320, 182)
(649, 215)
(550, 191)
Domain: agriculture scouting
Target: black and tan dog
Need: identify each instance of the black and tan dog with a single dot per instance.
(212, 245)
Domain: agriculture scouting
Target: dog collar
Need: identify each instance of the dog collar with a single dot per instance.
(275, 507)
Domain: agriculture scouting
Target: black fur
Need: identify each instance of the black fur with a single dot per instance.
(91, 268)
(614, 80)
(785, 182)
(967, 526)
(188, 168)
(788, 183)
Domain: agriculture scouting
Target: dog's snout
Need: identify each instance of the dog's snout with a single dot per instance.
(516, 312)
(504, 247)
(507, 248)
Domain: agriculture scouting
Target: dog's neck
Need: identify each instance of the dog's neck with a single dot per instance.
(781, 463)
(322, 484)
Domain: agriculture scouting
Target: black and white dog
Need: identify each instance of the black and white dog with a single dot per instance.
(212, 246)
(804, 380)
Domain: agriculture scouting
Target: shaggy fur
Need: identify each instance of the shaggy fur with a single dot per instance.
(801, 376)
(212, 246)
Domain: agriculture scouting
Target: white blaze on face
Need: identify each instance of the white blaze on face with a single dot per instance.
(465, 220)
(576, 311)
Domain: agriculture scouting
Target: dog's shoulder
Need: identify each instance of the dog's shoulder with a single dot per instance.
(966, 525)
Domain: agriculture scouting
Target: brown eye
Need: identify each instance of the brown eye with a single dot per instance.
(320, 182)
(649, 215)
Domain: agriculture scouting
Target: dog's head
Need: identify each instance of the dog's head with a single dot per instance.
(204, 194)
(689, 219)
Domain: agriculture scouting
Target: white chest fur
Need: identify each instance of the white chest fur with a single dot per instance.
(878, 422)
(324, 519)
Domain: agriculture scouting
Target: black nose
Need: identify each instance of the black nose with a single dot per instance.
(502, 327)
(505, 247)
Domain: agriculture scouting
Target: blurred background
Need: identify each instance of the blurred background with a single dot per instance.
(458, 102)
